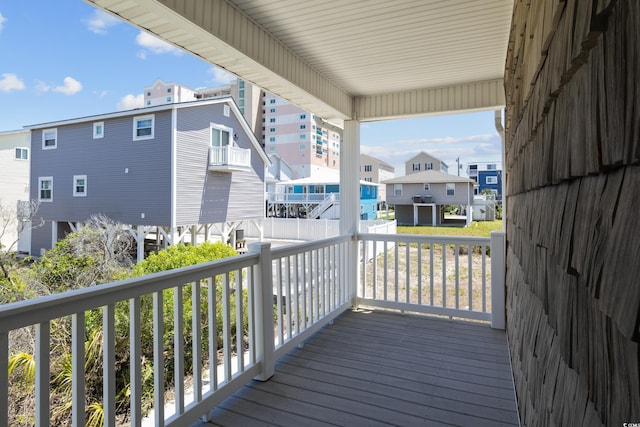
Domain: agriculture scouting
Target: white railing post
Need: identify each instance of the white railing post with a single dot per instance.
(263, 287)
(498, 268)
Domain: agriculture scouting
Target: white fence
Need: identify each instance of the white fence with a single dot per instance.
(310, 229)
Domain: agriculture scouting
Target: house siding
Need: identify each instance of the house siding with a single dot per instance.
(14, 178)
(121, 196)
(204, 196)
(41, 238)
(463, 194)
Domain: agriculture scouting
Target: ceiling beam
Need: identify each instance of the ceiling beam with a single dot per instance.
(465, 97)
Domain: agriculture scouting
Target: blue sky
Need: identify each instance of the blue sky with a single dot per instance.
(64, 59)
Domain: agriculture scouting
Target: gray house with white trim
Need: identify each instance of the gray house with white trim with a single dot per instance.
(420, 198)
(166, 171)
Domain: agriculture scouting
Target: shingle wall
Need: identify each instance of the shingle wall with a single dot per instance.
(572, 81)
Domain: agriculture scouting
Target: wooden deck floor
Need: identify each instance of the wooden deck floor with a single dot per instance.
(377, 368)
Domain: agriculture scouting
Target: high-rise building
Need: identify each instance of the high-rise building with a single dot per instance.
(309, 144)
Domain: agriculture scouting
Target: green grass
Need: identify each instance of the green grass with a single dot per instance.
(477, 228)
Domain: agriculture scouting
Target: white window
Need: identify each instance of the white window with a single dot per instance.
(367, 168)
(143, 127)
(148, 94)
(272, 129)
(79, 185)
(22, 153)
(302, 146)
(427, 187)
(220, 135)
(491, 180)
(397, 190)
(416, 166)
(368, 179)
(272, 149)
(168, 90)
(49, 139)
(45, 188)
(303, 126)
(428, 166)
(272, 120)
(303, 136)
(273, 110)
(98, 130)
(148, 102)
(451, 189)
(168, 99)
(272, 139)
(272, 101)
(303, 116)
(491, 167)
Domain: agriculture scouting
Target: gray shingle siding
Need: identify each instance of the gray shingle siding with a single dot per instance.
(123, 197)
(211, 197)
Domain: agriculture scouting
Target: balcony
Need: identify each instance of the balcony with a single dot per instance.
(229, 159)
(367, 329)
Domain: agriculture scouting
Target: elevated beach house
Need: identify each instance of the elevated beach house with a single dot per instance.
(420, 198)
(167, 171)
(317, 198)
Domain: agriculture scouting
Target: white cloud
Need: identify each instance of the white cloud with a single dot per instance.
(155, 45)
(42, 87)
(2, 21)
(70, 87)
(220, 76)
(99, 22)
(129, 102)
(11, 82)
(472, 148)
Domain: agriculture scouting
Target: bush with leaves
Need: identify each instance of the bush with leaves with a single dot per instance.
(177, 256)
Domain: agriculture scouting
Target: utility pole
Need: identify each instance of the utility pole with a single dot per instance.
(458, 162)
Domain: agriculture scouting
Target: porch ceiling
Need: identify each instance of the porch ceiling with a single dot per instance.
(343, 59)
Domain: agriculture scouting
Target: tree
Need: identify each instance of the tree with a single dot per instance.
(19, 220)
(99, 252)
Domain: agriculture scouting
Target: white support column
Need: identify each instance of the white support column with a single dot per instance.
(54, 233)
(434, 213)
(498, 267)
(263, 288)
(500, 129)
(350, 198)
(194, 235)
(415, 215)
(140, 242)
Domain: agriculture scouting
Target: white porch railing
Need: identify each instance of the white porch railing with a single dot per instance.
(228, 157)
(300, 197)
(291, 292)
(449, 276)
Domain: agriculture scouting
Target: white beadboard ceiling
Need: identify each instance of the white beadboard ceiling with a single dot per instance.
(372, 59)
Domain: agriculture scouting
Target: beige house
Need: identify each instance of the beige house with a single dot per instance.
(420, 198)
(15, 153)
(376, 171)
(423, 162)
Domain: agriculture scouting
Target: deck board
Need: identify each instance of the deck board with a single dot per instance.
(380, 368)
